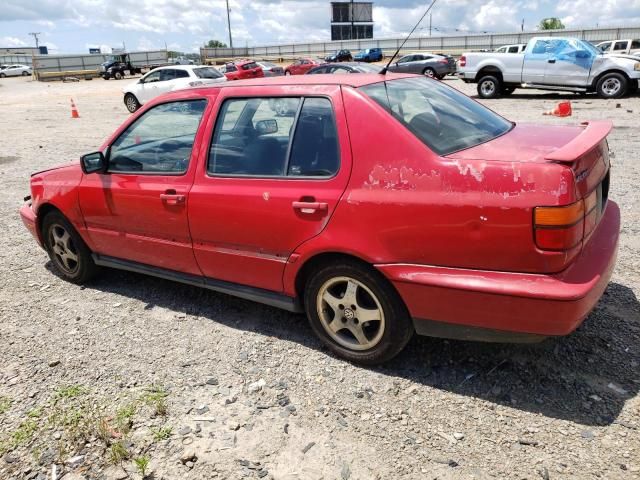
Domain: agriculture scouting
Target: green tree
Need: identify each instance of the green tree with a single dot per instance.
(552, 23)
(216, 44)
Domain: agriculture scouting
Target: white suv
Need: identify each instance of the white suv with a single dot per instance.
(166, 79)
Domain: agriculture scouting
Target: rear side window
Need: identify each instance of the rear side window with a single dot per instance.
(620, 46)
(207, 72)
(275, 137)
(182, 74)
(249, 66)
(440, 116)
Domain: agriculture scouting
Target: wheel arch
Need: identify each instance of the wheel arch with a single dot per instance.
(489, 70)
(43, 210)
(606, 72)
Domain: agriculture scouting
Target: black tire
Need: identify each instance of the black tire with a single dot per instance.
(612, 85)
(25, 74)
(60, 236)
(429, 72)
(131, 102)
(389, 335)
(117, 75)
(489, 87)
(2, 75)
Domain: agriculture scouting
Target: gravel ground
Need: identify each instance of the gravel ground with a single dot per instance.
(203, 385)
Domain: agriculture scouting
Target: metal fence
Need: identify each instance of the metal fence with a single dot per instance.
(446, 44)
(63, 63)
(13, 59)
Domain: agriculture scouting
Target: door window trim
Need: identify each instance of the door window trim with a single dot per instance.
(107, 150)
(285, 175)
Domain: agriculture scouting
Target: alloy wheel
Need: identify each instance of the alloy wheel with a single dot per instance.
(350, 313)
(611, 86)
(488, 88)
(64, 251)
(131, 103)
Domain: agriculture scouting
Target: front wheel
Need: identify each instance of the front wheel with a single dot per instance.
(489, 87)
(356, 312)
(117, 75)
(612, 85)
(70, 256)
(131, 102)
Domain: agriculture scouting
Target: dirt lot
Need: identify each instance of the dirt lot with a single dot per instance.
(208, 386)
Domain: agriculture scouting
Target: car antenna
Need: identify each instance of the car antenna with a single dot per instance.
(384, 70)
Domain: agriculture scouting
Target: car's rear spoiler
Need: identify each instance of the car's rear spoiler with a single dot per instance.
(591, 136)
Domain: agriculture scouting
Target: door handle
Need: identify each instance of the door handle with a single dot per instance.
(552, 60)
(311, 207)
(170, 197)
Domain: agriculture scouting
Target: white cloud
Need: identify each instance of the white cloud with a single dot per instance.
(12, 42)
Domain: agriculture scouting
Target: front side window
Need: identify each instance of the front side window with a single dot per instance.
(207, 72)
(441, 117)
(167, 74)
(152, 77)
(181, 74)
(266, 137)
(159, 141)
(620, 46)
(250, 66)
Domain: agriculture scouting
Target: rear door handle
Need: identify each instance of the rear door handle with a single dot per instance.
(552, 60)
(170, 197)
(311, 207)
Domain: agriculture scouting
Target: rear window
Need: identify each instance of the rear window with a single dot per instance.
(440, 116)
(207, 72)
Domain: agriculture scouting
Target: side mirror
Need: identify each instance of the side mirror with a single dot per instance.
(265, 127)
(93, 162)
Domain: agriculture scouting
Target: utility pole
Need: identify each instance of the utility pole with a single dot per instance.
(35, 35)
(522, 26)
(430, 18)
(353, 13)
(229, 25)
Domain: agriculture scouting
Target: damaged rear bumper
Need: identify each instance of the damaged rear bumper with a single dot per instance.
(506, 306)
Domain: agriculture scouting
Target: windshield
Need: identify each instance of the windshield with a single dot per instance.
(207, 72)
(589, 47)
(440, 116)
(366, 68)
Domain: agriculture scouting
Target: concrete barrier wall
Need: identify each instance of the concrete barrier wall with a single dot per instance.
(450, 44)
(13, 59)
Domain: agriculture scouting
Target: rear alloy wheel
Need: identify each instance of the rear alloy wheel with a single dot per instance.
(612, 85)
(131, 102)
(429, 72)
(117, 75)
(357, 313)
(25, 74)
(69, 254)
(489, 87)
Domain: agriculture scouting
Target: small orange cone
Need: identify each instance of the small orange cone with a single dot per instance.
(74, 110)
(563, 109)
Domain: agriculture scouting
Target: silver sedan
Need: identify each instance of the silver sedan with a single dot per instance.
(429, 64)
(15, 71)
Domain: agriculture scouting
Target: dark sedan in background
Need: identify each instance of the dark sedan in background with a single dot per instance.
(339, 56)
(429, 64)
(345, 67)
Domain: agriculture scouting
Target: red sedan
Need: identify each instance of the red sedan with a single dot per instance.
(301, 66)
(379, 205)
(242, 70)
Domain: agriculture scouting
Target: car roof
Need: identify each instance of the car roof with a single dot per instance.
(355, 81)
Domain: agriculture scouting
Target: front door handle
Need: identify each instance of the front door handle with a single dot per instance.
(170, 197)
(311, 207)
(552, 60)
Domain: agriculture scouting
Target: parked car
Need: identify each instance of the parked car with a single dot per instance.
(517, 48)
(628, 46)
(271, 69)
(369, 55)
(242, 69)
(15, 71)
(181, 61)
(429, 64)
(551, 63)
(118, 66)
(345, 67)
(340, 56)
(165, 79)
(359, 208)
(301, 66)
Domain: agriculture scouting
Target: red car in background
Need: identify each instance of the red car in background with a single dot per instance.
(242, 70)
(380, 205)
(301, 66)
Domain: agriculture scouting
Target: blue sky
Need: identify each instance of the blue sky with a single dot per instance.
(72, 26)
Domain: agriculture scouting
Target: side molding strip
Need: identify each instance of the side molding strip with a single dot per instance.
(259, 295)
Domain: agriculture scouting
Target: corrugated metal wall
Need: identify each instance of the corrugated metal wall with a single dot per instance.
(452, 44)
(13, 59)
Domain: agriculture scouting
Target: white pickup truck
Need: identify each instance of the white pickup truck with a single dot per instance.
(628, 46)
(551, 63)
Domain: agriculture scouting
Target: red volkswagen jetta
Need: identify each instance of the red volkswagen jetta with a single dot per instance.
(379, 205)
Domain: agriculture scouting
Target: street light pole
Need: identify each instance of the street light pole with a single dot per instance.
(229, 25)
(35, 35)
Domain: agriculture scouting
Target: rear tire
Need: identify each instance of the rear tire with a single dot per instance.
(612, 85)
(117, 75)
(25, 74)
(70, 256)
(337, 294)
(131, 102)
(287, 73)
(489, 87)
(429, 72)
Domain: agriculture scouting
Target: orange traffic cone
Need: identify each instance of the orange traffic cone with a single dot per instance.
(563, 109)
(74, 110)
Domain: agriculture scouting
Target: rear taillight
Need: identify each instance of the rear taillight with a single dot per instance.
(559, 228)
(463, 61)
(444, 61)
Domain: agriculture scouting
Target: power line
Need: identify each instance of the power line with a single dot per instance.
(35, 35)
